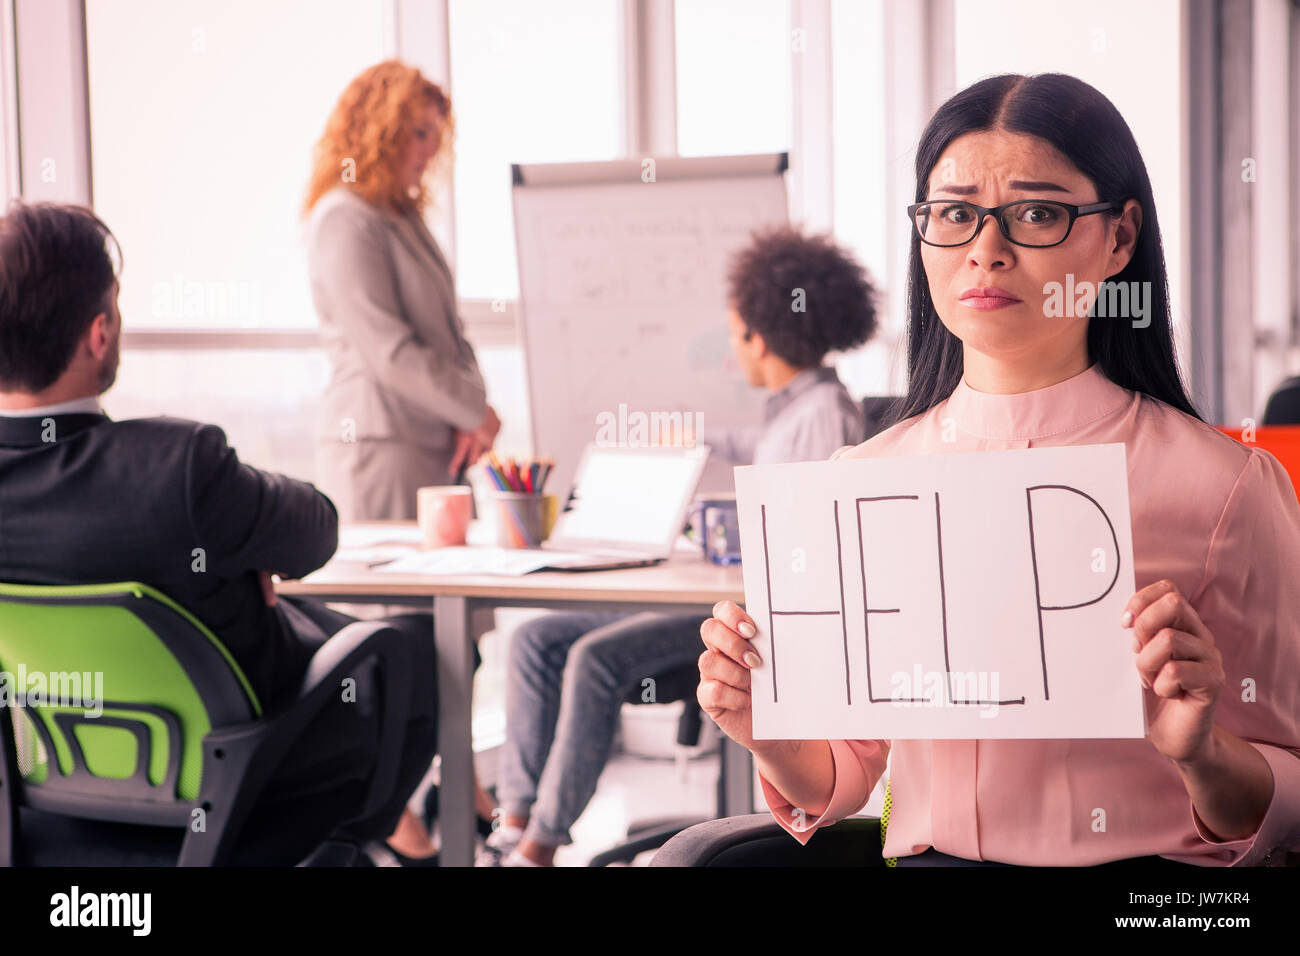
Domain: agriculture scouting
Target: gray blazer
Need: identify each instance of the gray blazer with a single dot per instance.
(401, 367)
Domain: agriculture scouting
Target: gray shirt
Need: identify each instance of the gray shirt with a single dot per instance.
(807, 420)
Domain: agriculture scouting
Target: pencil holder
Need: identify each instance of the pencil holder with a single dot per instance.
(523, 521)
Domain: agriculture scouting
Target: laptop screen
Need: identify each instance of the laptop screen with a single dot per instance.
(630, 498)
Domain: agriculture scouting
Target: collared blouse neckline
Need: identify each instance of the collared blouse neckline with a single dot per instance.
(1063, 407)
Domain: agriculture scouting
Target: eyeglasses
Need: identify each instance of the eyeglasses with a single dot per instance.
(1036, 223)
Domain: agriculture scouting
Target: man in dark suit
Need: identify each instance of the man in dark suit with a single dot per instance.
(85, 499)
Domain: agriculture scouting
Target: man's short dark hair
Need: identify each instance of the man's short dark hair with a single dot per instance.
(803, 294)
(56, 274)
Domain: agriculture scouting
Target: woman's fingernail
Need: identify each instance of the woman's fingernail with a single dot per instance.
(752, 659)
(1146, 683)
(746, 629)
(1126, 619)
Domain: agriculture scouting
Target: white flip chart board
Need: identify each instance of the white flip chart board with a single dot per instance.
(964, 595)
(622, 295)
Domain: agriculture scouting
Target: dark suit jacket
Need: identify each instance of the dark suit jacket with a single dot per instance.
(88, 500)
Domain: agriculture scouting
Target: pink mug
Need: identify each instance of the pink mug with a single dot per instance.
(443, 513)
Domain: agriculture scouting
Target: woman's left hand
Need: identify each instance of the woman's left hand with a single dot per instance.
(1178, 662)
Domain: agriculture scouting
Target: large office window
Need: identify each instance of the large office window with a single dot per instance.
(862, 215)
(202, 119)
(530, 83)
(733, 76)
(202, 122)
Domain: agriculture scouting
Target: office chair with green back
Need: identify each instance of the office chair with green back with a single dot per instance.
(182, 741)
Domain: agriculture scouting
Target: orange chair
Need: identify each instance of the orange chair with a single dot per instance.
(1282, 440)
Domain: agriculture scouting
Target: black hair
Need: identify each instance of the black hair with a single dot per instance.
(1084, 126)
(56, 275)
(803, 294)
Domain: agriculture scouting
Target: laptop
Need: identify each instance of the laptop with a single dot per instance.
(627, 508)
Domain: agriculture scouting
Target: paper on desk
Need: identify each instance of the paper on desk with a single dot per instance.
(963, 595)
(470, 560)
(378, 554)
(368, 535)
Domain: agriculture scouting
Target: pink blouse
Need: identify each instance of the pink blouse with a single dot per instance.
(1218, 518)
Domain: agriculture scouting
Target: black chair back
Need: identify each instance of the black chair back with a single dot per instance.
(1283, 406)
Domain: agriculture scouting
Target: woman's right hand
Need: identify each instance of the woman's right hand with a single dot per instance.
(489, 428)
(723, 693)
(470, 446)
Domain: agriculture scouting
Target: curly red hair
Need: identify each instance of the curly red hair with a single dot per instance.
(370, 128)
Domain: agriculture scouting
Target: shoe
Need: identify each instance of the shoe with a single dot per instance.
(381, 854)
(515, 858)
(496, 846)
(430, 807)
(482, 825)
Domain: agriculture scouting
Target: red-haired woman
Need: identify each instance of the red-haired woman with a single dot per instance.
(406, 404)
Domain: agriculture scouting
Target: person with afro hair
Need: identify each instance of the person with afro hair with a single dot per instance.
(794, 299)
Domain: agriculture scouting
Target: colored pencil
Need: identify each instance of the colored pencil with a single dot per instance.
(527, 477)
(496, 479)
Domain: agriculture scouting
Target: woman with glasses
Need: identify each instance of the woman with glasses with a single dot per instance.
(1027, 187)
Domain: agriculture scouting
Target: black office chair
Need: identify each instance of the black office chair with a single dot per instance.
(756, 840)
(182, 737)
(1283, 406)
(877, 413)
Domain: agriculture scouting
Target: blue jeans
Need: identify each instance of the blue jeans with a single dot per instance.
(569, 676)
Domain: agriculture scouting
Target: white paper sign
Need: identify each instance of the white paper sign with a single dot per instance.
(963, 595)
